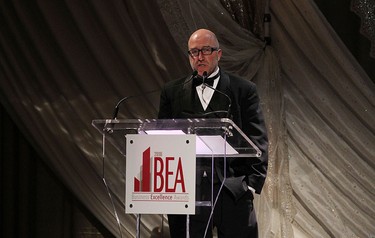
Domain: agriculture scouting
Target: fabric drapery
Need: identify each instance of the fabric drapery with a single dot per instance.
(365, 9)
(329, 106)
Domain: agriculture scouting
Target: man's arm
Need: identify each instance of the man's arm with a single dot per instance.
(254, 127)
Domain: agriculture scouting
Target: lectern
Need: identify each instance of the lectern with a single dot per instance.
(161, 159)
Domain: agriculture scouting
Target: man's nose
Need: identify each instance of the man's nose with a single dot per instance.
(200, 55)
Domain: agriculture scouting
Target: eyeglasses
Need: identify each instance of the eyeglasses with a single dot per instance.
(206, 50)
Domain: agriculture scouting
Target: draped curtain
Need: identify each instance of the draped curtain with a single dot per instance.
(366, 11)
(330, 125)
(63, 64)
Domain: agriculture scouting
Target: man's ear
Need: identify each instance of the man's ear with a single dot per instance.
(219, 53)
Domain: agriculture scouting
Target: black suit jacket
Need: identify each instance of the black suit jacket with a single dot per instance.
(179, 99)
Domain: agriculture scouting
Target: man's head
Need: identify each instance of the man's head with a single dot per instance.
(204, 51)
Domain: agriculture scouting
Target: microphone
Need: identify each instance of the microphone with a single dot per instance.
(117, 107)
(124, 99)
(193, 75)
(204, 77)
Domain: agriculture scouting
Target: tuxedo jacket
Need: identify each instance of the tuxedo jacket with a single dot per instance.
(179, 99)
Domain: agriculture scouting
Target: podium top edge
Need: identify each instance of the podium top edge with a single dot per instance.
(179, 120)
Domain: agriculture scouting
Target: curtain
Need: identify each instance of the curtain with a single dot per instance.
(366, 11)
(63, 64)
(329, 106)
(34, 203)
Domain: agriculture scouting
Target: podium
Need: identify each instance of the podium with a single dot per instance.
(161, 159)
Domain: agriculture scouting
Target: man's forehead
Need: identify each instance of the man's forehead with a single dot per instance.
(201, 40)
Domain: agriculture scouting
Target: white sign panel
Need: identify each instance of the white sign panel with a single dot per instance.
(160, 174)
(205, 145)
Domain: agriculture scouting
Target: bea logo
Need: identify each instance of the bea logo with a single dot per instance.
(160, 174)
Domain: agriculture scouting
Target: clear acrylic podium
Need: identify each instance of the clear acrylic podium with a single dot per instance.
(216, 138)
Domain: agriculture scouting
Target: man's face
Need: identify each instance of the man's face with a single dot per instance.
(206, 54)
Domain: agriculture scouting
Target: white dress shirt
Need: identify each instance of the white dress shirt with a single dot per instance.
(205, 93)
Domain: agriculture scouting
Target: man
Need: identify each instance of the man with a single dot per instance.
(234, 214)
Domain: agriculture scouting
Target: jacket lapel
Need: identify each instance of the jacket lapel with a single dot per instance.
(190, 105)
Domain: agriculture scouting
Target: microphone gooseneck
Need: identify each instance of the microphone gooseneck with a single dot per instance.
(204, 78)
(117, 107)
(193, 75)
(204, 75)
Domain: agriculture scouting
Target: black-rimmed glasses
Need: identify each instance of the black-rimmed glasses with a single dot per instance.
(207, 50)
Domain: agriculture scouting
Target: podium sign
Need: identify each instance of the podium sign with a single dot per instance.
(160, 169)
(160, 176)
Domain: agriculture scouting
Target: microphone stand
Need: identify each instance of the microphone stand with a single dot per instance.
(124, 99)
(204, 77)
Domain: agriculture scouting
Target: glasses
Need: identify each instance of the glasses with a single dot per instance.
(206, 50)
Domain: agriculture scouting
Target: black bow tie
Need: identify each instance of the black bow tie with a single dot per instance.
(198, 80)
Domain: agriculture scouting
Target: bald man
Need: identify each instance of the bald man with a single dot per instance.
(234, 215)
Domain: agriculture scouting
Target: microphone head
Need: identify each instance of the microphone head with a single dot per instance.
(195, 73)
(204, 74)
